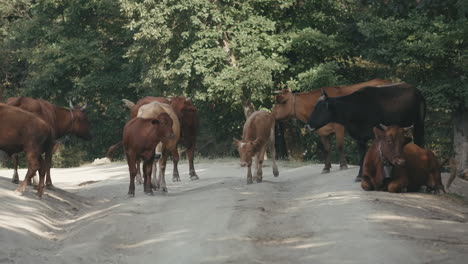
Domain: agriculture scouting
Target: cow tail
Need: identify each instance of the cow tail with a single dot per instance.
(419, 123)
(111, 150)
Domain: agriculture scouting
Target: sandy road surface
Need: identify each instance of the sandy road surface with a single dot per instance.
(299, 217)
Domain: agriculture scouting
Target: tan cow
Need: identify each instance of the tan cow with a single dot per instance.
(152, 110)
(258, 134)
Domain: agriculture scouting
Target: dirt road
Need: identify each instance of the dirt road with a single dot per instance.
(299, 217)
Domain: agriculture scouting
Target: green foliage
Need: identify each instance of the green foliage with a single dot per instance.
(223, 52)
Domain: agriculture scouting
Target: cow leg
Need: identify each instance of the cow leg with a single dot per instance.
(271, 147)
(366, 183)
(154, 177)
(48, 165)
(175, 160)
(138, 174)
(259, 164)
(362, 147)
(190, 155)
(147, 168)
(132, 169)
(249, 174)
(339, 136)
(15, 178)
(33, 166)
(42, 175)
(326, 153)
(162, 171)
(398, 185)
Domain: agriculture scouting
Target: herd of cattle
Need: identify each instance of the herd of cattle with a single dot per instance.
(392, 114)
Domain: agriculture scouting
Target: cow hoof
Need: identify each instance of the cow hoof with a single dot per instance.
(176, 179)
(15, 181)
(249, 181)
(194, 177)
(149, 193)
(275, 173)
(50, 186)
(131, 194)
(325, 171)
(343, 167)
(358, 179)
(164, 189)
(259, 180)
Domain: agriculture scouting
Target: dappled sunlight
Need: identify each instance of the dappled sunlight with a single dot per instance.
(313, 245)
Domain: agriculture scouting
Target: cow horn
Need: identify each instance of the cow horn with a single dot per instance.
(406, 129)
(277, 92)
(384, 127)
(84, 107)
(70, 103)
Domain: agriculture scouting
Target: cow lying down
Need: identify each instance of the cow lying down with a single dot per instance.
(394, 166)
(258, 134)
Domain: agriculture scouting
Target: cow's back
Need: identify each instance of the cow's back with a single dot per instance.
(21, 129)
(146, 100)
(258, 126)
(41, 108)
(153, 109)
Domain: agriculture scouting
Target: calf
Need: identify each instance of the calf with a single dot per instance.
(23, 131)
(258, 133)
(392, 165)
(396, 104)
(140, 138)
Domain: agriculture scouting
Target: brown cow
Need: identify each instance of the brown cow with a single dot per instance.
(300, 105)
(152, 110)
(63, 120)
(140, 138)
(189, 122)
(257, 134)
(24, 131)
(391, 164)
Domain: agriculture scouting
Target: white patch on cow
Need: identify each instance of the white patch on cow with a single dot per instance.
(242, 144)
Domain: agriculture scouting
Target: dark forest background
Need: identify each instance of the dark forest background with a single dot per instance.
(224, 53)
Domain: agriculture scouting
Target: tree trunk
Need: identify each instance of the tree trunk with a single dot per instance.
(460, 140)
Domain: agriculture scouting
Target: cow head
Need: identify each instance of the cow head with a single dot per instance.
(163, 123)
(283, 108)
(322, 114)
(391, 141)
(247, 150)
(80, 123)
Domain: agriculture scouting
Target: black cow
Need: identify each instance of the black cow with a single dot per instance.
(395, 104)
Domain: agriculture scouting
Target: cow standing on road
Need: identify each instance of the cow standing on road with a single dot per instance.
(396, 104)
(187, 114)
(410, 166)
(23, 131)
(62, 120)
(140, 137)
(258, 134)
(299, 106)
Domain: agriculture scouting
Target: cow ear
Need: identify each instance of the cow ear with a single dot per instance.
(84, 107)
(235, 141)
(384, 127)
(155, 121)
(324, 94)
(378, 133)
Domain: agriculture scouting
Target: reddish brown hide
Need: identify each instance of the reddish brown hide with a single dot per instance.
(300, 105)
(63, 121)
(187, 114)
(24, 131)
(257, 136)
(413, 166)
(140, 138)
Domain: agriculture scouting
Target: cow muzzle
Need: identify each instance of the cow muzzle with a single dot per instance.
(308, 128)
